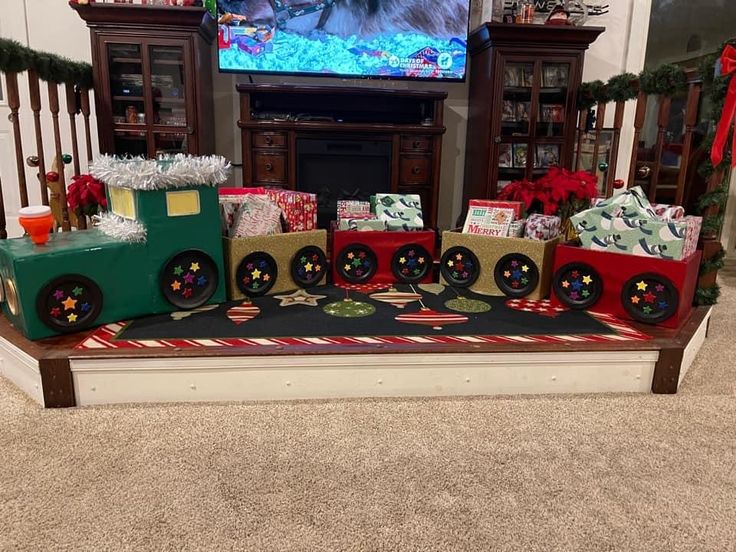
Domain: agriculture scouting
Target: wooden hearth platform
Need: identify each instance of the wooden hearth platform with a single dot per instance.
(55, 374)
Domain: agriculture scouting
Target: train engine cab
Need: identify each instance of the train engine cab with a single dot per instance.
(157, 250)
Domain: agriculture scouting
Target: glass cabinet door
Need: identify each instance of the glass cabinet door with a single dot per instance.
(168, 85)
(127, 97)
(553, 99)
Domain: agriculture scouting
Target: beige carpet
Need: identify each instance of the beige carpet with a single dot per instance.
(594, 473)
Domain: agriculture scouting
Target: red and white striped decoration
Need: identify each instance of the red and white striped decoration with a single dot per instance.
(398, 299)
(105, 338)
(242, 313)
(543, 307)
(429, 317)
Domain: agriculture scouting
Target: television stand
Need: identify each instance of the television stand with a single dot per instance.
(343, 142)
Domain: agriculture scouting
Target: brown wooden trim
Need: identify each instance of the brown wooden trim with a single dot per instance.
(303, 89)
(57, 383)
(34, 89)
(639, 118)
(665, 106)
(534, 36)
(53, 89)
(618, 123)
(667, 371)
(11, 84)
(691, 114)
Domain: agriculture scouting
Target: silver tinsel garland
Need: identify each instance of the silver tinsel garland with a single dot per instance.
(166, 172)
(120, 228)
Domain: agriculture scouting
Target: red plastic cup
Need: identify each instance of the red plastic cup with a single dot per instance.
(37, 221)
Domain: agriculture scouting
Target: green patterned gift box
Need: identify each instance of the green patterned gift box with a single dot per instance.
(627, 223)
(400, 212)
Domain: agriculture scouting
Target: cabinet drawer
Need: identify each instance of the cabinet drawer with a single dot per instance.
(269, 167)
(416, 143)
(269, 140)
(415, 170)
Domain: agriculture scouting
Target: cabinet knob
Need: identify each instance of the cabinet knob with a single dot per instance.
(497, 139)
(268, 140)
(416, 170)
(417, 144)
(269, 167)
(644, 172)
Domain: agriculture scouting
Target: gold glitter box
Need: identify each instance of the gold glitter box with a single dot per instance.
(495, 256)
(281, 247)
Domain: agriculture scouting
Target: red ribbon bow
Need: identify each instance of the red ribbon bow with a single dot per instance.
(728, 66)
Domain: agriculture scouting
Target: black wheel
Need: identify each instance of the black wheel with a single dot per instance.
(411, 263)
(460, 267)
(257, 273)
(516, 275)
(577, 286)
(356, 263)
(189, 279)
(69, 303)
(308, 266)
(650, 298)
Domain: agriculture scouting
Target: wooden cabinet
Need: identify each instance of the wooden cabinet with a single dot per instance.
(343, 142)
(524, 81)
(152, 77)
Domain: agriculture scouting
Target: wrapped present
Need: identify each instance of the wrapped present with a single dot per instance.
(230, 201)
(632, 203)
(351, 209)
(516, 229)
(299, 209)
(668, 212)
(635, 229)
(488, 221)
(400, 212)
(256, 216)
(362, 224)
(517, 206)
(542, 227)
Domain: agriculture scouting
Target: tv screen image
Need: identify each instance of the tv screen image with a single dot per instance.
(399, 39)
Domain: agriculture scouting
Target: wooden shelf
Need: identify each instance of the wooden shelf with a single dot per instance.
(358, 127)
(126, 60)
(128, 98)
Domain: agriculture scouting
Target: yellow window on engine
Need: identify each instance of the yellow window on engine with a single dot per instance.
(123, 202)
(182, 204)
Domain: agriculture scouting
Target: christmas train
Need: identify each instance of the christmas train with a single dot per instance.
(160, 249)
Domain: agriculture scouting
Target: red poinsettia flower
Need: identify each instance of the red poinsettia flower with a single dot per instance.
(86, 195)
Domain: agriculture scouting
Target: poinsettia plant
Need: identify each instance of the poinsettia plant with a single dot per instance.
(86, 195)
(559, 192)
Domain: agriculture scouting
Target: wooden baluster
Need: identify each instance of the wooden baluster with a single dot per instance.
(665, 106)
(35, 93)
(639, 118)
(3, 224)
(691, 120)
(84, 105)
(11, 82)
(600, 118)
(72, 109)
(582, 123)
(61, 188)
(618, 122)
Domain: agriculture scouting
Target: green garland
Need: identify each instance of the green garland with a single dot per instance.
(592, 93)
(16, 58)
(716, 262)
(667, 80)
(707, 296)
(620, 87)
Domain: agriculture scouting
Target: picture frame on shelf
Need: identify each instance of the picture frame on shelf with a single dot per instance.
(509, 111)
(521, 152)
(552, 113)
(505, 156)
(555, 75)
(522, 111)
(512, 76)
(527, 76)
(548, 155)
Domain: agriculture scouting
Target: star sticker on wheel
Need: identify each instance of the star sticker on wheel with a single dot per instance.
(587, 280)
(649, 297)
(77, 291)
(402, 260)
(525, 268)
(58, 295)
(72, 318)
(635, 299)
(201, 281)
(176, 285)
(308, 267)
(187, 293)
(565, 284)
(189, 278)
(641, 286)
(351, 255)
(69, 303)
(194, 267)
(506, 274)
(256, 274)
(178, 270)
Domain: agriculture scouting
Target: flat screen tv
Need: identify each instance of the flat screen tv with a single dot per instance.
(391, 39)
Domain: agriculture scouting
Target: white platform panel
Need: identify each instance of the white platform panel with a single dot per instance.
(120, 380)
(693, 347)
(21, 369)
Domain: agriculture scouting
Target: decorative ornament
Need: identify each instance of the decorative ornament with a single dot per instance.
(33, 161)
(650, 298)
(66, 158)
(256, 274)
(308, 266)
(463, 304)
(243, 313)
(429, 317)
(577, 285)
(411, 263)
(184, 287)
(542, 307)
(728, 115)
(362, 288)
(347, 308)
(435, 289)
(52, 176)
(398, 299)
(299, 297)
(181, 315)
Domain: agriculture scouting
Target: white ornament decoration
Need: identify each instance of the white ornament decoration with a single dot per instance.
(120, 228)
(166, 172)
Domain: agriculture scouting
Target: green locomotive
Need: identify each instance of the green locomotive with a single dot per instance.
(157, 250)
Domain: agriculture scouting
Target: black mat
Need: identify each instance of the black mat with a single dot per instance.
(303, 321)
